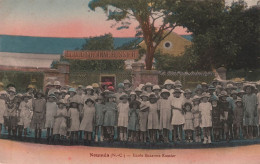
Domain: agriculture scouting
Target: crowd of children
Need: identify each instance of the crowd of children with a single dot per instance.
(148, 113)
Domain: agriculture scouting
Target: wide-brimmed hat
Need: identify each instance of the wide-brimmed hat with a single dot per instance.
(61, 102)
(196, 98)
(168, 82)
(1, 84)
(19, 95)
(124, 96)
(234, 93)
(204, 84)
(3, 93)
(239, 100)
(72, 90)
(229, 86)
(95, 85)
(165, 91)
(177, 83)
(152, 96)
(223, 94)
(137, 89)
(144, 95)
(198, 87)
(52, 96)
(126, 81)
(177, 91)
(187, 103)
(120, 85)
(141, 86)
(57, 83)
(156, 87)
(187, 91)
(12, 89)
(219, 87)
(132, 93)
(110, 88)
(111, 96)
(89, 99)
(135, 102)
(89, 87)
(27, 95)
(249, 85)
(211, 87)
(148, 84)
(63, 91)
(204, 94)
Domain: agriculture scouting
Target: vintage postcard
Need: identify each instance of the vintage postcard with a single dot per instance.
(136, 81)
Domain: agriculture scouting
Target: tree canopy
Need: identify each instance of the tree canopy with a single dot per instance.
(154, 17)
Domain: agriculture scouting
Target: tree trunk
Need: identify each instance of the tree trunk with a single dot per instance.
(149, 58)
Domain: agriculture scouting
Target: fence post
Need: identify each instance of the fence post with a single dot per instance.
(141, 76)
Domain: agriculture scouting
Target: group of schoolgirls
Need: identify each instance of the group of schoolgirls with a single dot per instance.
(147, 113)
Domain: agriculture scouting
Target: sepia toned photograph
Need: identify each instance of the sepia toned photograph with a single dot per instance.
(129, 81)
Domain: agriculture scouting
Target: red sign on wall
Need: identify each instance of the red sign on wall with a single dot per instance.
(101, 55)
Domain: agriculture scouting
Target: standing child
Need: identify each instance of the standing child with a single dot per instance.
(25, 115)
(100, 109)
(123, 111)
(227, 114)
(197, 118)
(133, 120)
(165, 114)
(3, 97)
(238, 117)
(88, 122)
(250, 109)
(60, 122)
(177, 115)
(110, 117)
(153, 118)
(38, 119)
(188, 126)
(74, 122)
(51, 111)
(143, 117)
(216, 124)
(205, 109)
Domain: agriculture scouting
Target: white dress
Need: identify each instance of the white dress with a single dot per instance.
(51, 111)
(2, 110)
(123, 111)
(205, 109)
(153, 119)
(73, 113)
(60, 125)
(87, 123)
(165, 114)
(177, 115)
(25, 114)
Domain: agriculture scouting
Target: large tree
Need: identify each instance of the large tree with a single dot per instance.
(222, 36)
(153, 17)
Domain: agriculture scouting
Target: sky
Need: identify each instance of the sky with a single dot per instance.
(61, 18)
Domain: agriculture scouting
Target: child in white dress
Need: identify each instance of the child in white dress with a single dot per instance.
(74, 121)
(60, 122)
(88, 122)
(143, 116)
(153, 118)
(188, 126)
(123, 110)
(165, 114)
(177, 115)
(51, 111)
(197, 118)
(205, 109)
(25, 115)
(3, 96)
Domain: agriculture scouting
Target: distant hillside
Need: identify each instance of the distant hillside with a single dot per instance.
(48, 45)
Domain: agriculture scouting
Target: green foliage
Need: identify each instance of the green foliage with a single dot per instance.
(104, 42)
(221, 36)
(154, 19)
